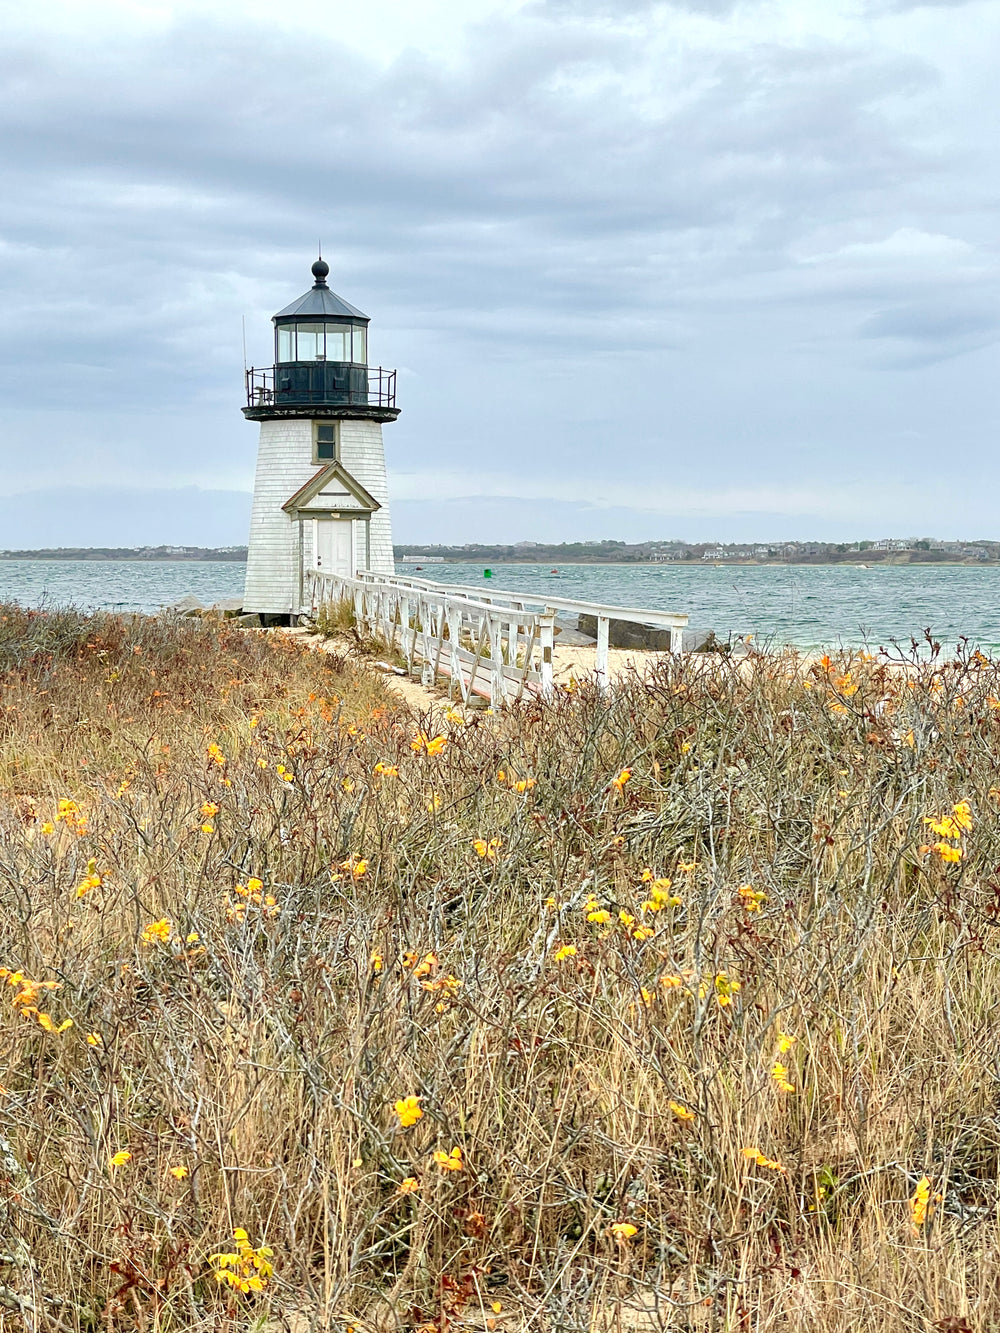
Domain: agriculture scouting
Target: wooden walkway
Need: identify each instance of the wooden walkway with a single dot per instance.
(493, 643)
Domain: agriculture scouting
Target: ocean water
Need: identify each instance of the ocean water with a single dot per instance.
(119, 585)
(810, 606)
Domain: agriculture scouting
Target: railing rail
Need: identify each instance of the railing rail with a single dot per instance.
(321, 382)
(476, 644)
(674, 622)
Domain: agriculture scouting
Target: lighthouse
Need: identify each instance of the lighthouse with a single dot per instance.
(320, 496)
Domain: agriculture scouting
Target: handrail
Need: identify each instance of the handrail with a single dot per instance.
(638, 615)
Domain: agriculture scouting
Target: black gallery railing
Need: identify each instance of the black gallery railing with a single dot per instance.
(329, 383)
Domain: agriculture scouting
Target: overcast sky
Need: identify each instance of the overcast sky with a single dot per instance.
(710, 268)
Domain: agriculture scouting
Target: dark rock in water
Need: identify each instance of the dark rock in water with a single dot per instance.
(705, 641)
(634, 634)
(740, 648)
(227, 608)
(573, 638)
(629, 634)
(568, 632)
(702, 641)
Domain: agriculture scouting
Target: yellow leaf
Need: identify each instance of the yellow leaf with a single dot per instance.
(408, 1110)
(449, 1161)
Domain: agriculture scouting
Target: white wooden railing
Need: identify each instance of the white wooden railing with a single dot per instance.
(472, 635)
(674, 622)
(478, 645)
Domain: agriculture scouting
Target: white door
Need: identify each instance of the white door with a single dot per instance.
(335, 546)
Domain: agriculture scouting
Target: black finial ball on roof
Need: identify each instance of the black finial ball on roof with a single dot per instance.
(320, 271)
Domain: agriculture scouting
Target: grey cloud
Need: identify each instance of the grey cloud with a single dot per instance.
(617, 9)
(931, 323)
(903, 6)
(919, 334)
(435, 158)
(573, 241)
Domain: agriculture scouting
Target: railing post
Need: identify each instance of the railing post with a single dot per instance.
(427, 668)
(406, 632)
(394, 600)
(546, 637)
(601, 660)
(455, 663)
(496, 661)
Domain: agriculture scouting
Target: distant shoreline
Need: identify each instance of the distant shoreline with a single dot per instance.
(210, 556)
(875, 562)
(154, 556)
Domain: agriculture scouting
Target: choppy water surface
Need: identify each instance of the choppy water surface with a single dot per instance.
(120, 585)
(809, 606)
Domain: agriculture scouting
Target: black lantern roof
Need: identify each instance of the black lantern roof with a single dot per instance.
(319, 302)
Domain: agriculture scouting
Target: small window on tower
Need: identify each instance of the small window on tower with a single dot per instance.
(326, 443)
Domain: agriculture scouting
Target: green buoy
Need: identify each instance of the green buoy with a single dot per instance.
(487, 573)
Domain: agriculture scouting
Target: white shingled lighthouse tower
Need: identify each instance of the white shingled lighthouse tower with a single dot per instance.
(320, 497)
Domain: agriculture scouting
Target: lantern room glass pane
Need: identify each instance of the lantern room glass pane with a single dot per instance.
(286, 343)
(360, 355)
(338, 342)
(310, 342)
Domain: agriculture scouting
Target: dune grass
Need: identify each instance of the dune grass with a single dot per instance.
(663, 1010)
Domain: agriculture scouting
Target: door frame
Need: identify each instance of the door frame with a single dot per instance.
(338, 518)
(360, 542)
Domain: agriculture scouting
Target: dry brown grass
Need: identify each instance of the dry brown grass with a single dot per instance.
(266, 1056)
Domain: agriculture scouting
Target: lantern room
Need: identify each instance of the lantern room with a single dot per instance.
(320, 355)
(320, 326)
